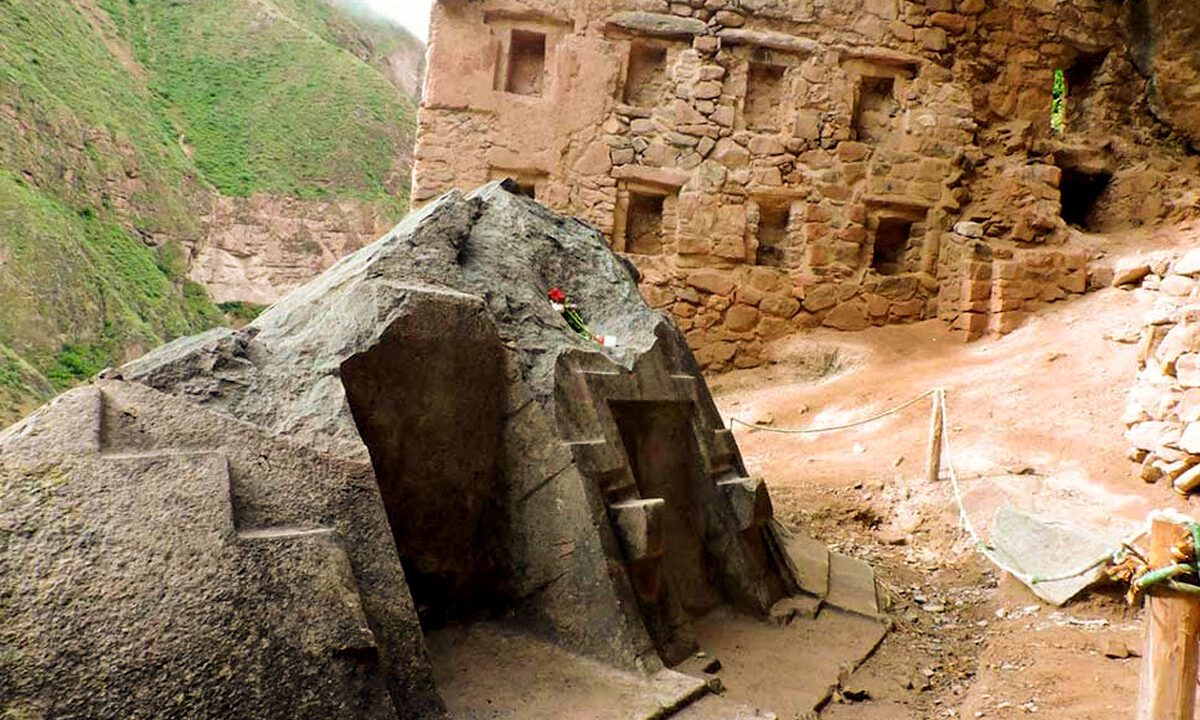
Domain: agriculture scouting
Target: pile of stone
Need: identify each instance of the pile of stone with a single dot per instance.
(1162, 416)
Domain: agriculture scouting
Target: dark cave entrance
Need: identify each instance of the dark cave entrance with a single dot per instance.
(427, 405)
(1081, 192)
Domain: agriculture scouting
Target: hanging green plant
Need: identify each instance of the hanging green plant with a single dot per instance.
(1058, 106)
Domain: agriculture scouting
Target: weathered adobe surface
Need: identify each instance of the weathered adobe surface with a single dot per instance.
(775, 165)
(591, 493)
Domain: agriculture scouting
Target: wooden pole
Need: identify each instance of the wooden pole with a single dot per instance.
(1169, 658)
(934, 465)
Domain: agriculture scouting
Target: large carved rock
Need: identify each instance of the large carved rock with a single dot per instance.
(414, 438)
(159, 560)
(498, 434)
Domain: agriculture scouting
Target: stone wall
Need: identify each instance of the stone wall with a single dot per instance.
(1162, 416)
(772, 165)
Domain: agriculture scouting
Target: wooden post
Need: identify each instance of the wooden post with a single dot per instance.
(935, 438)
(1169, 658)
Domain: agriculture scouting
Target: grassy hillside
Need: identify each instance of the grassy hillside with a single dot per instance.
(267, 99)
(120, 120)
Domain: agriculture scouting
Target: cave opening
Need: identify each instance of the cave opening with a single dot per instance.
(427, 405)
(1081, 192)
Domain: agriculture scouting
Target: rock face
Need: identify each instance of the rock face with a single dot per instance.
(259, 248)
(414, 438)
(1164, 39)
(808, 154)
(171, 561)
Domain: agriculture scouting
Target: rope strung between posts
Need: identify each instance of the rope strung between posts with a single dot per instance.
(856, 423)
(987, 551)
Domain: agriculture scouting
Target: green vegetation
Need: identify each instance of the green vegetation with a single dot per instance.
(267, 100)
(1058, 105)
(118, 123)
(240, 313)
(81, 292)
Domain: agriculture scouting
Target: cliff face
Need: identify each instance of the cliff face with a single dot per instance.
(158, 157)
(1164, 37)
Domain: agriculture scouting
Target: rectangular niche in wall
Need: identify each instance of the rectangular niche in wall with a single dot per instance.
(875, 109)
(526, 63)
(644, 223)
(772, 234)
(646, 78)
(766, 96)
(896, 249)
(527, 181)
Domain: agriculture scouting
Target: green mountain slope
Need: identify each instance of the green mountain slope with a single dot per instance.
(267, 100)
(122, 120)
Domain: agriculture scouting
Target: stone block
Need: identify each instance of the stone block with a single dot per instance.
(741, 318)
(850, 315)
(948, 21)
(749, 500)
(1154, 434)
(707, 90)
(773, 328)
(1074, 282)
(658, 24)
(907, 309)
(780, 306)
(1129, 271)
(766, 145)
(972, 324)
(1189, 440)
(852, 151)
(1006, 322)
(769, 280)
(711, 281)
(1189, 264)
(729, 18)
(1177, 285)
(1187, 370)
(932, 38)
(1188, 409)
(683, 310)
(638, 525)
(969, 229)
(1179, 339)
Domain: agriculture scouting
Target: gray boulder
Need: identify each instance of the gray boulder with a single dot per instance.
(266, 522)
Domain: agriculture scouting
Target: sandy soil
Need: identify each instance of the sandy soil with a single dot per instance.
(1034, 423)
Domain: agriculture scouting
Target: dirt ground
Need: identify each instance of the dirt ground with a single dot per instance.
(1034, 423)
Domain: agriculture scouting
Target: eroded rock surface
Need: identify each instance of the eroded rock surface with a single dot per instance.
(1164, 39)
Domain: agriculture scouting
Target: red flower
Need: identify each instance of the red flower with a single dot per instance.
(557, 295)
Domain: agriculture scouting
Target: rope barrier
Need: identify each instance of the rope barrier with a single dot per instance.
(988, 552)
(984, 549)
(856, 423)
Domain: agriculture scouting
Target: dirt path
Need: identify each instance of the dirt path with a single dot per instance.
(1035, 422)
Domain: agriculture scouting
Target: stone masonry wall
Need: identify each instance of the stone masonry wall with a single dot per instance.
(1162, 415)
(773, 165)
